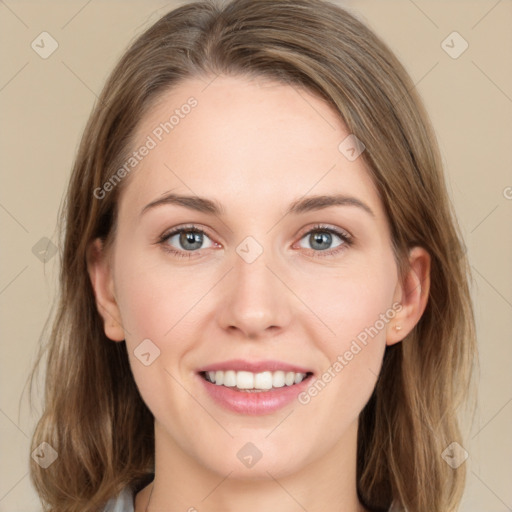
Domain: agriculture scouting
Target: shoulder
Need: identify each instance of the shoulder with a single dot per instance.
(123, 502)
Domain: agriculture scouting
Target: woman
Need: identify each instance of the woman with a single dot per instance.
(264, 293)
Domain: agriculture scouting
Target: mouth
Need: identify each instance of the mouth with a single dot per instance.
(253, 388)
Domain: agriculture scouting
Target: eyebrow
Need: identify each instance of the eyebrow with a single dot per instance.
(302, 205)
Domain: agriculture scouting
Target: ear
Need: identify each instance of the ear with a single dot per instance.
(100, 273)
(412, 293)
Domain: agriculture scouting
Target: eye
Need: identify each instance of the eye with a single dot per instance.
(183, 240)
(186, 240)
(320, 239)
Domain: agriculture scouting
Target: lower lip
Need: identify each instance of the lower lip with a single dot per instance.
(254, 403)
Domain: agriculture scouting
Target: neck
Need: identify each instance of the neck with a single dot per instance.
(326, 484)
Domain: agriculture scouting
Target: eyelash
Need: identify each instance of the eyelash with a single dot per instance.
(345, 237)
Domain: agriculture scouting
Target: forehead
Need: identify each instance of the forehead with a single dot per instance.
(248, 142)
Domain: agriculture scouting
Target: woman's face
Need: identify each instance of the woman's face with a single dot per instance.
(309, 288)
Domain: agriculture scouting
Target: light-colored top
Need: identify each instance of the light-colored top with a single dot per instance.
(124, 502)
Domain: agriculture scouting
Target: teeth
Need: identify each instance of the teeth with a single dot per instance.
(259, 381)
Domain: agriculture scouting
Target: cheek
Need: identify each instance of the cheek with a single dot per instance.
(152, 298)
(351, 301)
(149, 306)
(357, 308)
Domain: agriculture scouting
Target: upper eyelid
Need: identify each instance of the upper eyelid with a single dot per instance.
(325, 227)
(174, 231)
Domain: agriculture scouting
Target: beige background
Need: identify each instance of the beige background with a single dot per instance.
(45, 104)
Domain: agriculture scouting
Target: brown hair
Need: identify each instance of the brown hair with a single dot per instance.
(93, 414)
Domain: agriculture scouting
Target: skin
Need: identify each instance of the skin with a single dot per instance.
(254, 146)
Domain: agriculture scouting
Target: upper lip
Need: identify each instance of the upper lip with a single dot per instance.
(254, 366)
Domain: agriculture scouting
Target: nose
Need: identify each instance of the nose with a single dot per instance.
(256, 302)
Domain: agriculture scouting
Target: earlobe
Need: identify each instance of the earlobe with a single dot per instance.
(412, 293)
(102, 282)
